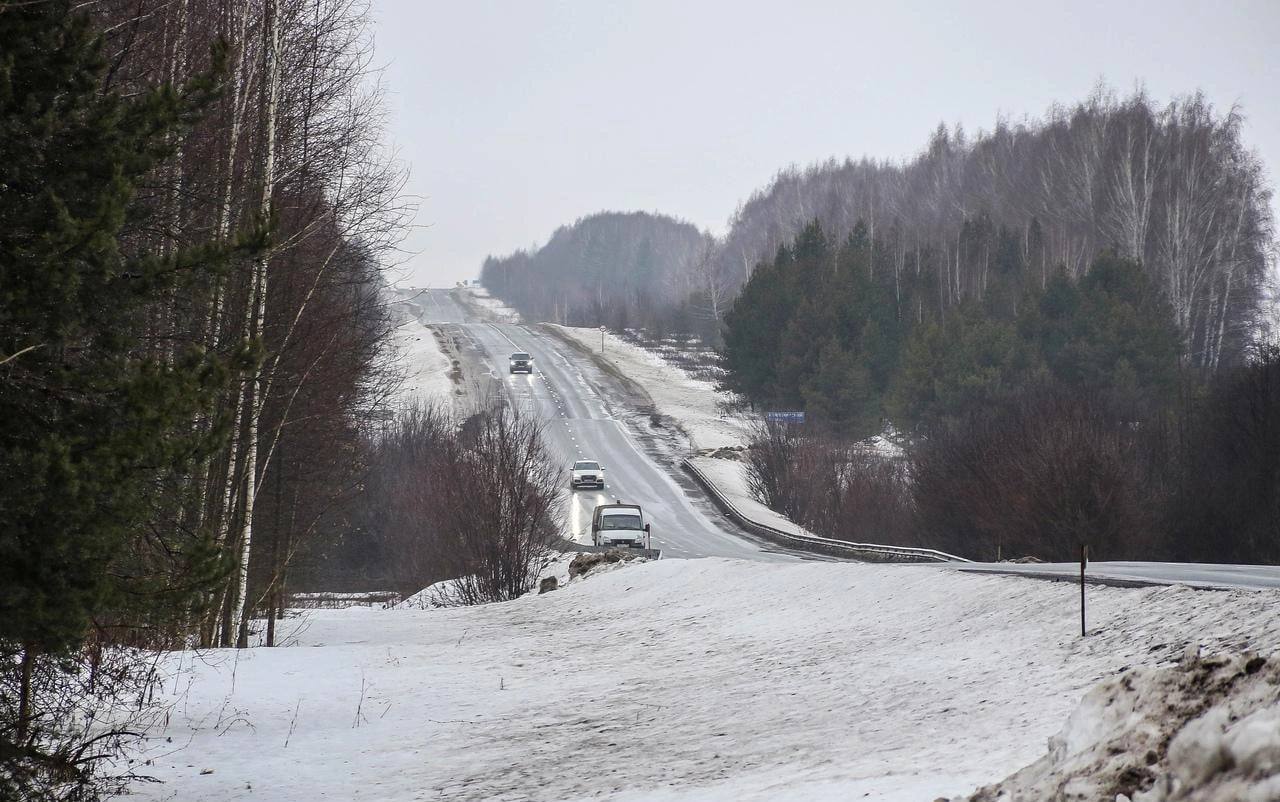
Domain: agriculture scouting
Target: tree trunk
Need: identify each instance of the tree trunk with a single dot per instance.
(24, 694)
(271, 60)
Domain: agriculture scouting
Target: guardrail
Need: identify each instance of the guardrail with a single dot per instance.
(872, 552)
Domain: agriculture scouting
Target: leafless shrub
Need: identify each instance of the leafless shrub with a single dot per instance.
(1039, 475)
(774, 469)
(84, 711)
(831, 487)
(473, 503)
(875, 503)
(1227, 456)
(496, 496)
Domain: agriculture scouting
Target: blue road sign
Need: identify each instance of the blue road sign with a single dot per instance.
(785, 417)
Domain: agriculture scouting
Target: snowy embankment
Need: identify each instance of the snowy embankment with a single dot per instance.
(695, 404)
(730, 478)
(486, 306)
(417, 353)
(677, 680)
(1206, 729)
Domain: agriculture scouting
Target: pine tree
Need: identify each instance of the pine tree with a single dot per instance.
(840, 392)
(90, 415)
(754, 328)
(1109, 333)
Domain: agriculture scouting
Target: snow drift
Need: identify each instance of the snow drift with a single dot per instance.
(677, 680)
(1205, 729)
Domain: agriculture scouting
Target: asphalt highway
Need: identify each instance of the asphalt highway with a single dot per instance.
(587, 417)
(584, 419)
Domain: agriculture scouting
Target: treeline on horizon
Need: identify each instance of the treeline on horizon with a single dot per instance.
(195, 210)
(1172, 187)
(619, 269)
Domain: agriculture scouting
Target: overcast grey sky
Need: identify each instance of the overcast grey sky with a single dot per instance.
(518, 117)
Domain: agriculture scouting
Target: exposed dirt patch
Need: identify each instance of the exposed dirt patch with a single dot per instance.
(1203, 729)
(585, 564)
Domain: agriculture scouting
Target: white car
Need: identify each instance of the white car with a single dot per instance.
(586, 473)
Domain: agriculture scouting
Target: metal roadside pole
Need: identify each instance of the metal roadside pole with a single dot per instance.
(602, 339)
(1084, 559)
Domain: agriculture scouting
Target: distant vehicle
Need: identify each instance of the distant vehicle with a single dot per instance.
(521, 363)
(586, 473)
(619, 525)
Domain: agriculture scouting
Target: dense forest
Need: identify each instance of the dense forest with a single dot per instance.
(193, 212)
(1173, 188)
(1032, 422)
(616, 269)
(834, 332)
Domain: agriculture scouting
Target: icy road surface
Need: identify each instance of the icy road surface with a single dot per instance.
(571, 395)
(676, 680)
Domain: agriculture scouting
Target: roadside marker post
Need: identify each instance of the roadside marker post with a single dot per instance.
(602, 339)
(1084, 559)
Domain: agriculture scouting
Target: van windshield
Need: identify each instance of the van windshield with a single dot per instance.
(520, 357)
(620, 522)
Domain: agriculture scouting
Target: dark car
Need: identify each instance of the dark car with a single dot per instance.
(521, 363)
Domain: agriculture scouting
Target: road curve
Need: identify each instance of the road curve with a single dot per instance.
(573, 398)
(582, 407)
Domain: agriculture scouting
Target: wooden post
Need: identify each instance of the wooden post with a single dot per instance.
(1084, 559)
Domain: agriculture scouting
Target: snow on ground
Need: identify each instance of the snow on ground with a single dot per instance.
(677, 680)
(425, 366)
(693, 403)
(730, 478)
(1206, 729)
(488, 305)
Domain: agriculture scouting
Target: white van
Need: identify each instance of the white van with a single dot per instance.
(619, 525)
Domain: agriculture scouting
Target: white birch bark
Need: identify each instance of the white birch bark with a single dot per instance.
(271, 60)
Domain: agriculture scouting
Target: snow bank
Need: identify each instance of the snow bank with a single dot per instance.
(479, 299)
(432, 596)
(1203, 729)
(424, 365)
(693, 403)
(730, 478)
(679, 680)
(442, 593)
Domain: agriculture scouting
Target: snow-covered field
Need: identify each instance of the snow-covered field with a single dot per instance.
(677, 680)
(424, 366)
(693, 403)
(418, 356)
